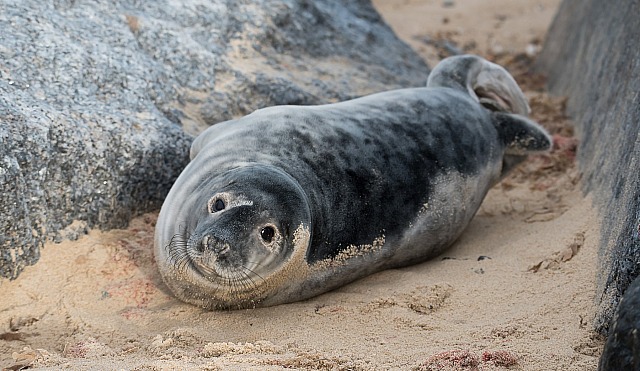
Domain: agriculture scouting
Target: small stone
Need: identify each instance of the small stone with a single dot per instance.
(531, 50)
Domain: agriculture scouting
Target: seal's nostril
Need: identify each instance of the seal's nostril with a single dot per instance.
(221, 248)
(214, 245)
(200, 245)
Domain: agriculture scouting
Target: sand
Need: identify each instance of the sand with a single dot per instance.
(514, 292)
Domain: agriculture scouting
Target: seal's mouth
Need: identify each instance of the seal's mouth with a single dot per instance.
(218, 274)
(231, 273)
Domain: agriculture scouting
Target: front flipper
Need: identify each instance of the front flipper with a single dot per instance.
(520, 137)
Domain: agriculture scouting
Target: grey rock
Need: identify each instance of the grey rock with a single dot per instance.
(592, 55)
(622, 350)
(100, 100)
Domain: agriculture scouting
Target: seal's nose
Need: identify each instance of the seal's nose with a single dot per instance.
(214, 245)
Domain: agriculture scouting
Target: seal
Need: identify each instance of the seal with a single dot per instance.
(293, 201)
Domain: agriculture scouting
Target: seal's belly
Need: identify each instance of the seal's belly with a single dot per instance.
(449, 208)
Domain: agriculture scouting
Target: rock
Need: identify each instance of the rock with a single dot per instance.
(592, 55)
(622, 350)
(99, 101)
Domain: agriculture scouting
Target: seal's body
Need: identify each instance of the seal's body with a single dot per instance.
(292, 201)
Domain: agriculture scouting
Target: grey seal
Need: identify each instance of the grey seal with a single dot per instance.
(292, 201)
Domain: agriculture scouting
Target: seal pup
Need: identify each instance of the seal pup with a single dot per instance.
(293, 201)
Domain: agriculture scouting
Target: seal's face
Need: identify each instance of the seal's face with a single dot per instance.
(238, 236)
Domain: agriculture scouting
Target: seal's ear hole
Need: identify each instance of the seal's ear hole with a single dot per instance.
(216, 204)
(267, 233)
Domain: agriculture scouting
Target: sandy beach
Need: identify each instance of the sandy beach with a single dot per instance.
(514, 292)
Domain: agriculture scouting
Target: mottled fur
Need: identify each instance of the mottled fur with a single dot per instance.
(386, 180)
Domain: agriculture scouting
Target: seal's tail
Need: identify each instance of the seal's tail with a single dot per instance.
(488, 83)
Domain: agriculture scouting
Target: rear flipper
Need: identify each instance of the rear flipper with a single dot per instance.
(488, 83)
(496, 90)
(520, 137)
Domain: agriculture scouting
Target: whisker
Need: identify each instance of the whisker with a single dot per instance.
(177, 249)
(232, 287)
(253, 285)
(253, 273)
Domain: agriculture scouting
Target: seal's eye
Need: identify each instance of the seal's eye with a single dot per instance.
(267, 234)
(218, 205)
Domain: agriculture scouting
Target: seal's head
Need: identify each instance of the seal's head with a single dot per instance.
(228, 242)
